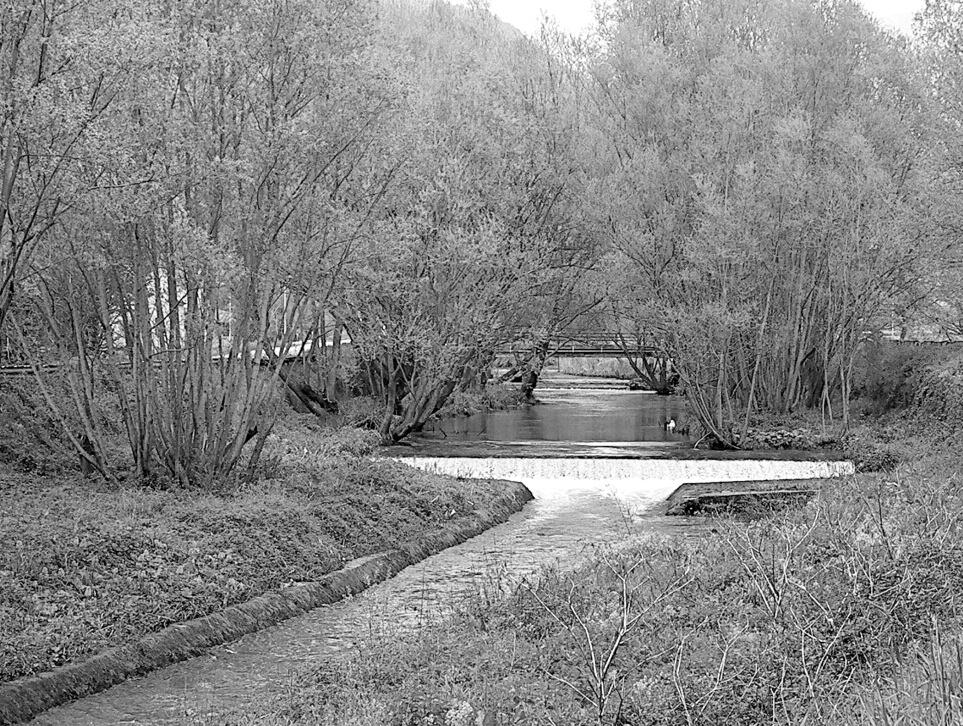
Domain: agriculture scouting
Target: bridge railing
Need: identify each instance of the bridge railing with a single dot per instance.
(583, 346)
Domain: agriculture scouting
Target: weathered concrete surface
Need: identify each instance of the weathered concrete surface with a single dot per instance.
(729, 497)
(24, 698)
(675, 451)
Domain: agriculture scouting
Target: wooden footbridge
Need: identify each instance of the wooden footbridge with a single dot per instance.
(589, 345)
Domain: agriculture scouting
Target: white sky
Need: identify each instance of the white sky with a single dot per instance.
(575, 15)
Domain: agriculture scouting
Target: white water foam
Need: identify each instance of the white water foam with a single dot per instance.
(650, 479)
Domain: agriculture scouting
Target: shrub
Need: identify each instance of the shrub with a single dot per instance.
(496, 397)
(502, 396)
(300, 438)
(938, 398)
(361, 411)
(868, 451)
(769, 621)
(31, 439)
(349, 440)
(893, 373)
(35, 438)
(598, 367)
(927, 690)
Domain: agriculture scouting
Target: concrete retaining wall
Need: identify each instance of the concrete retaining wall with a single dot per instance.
(24, 698)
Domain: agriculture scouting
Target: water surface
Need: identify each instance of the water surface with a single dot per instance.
(599, 415)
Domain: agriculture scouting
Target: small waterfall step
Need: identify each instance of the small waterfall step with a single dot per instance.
(655, 479)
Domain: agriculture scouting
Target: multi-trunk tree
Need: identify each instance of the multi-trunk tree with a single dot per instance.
(763, 168)
(218, 225)
(475, 236)
(61, 72)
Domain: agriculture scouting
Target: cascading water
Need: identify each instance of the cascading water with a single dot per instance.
(633, 479)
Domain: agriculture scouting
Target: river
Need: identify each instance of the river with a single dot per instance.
(568, 411)
(598, 461)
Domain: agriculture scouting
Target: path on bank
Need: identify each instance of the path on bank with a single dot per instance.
(576, 506)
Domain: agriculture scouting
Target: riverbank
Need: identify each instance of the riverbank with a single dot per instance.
(85, 566)
(493, 397)
(808, 615)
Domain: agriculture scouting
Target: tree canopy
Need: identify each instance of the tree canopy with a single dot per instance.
(203, 203)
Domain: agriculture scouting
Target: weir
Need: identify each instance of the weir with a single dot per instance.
(651, 479)
(587, 494)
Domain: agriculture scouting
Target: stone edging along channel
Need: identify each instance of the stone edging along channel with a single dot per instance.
(26, 697)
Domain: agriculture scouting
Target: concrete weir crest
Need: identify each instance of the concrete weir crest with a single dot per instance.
(651, 478)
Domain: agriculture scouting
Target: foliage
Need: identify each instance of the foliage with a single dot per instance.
(924, 691)
(913, 393)
(62, 72)
(939, 30)
(596, 367)
(938, 398)
(211, 229)
(320, 195)
(470, 236)
(494, 397)
(892, 374)
(297, 436)
(769, 193)
(31, 438)
(307, 194)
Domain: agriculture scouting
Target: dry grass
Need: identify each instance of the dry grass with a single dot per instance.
(925, 689)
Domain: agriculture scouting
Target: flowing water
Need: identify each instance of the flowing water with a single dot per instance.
(582, 499)
(568, 412)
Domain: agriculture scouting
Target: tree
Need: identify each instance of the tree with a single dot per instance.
(940, 29)
(768, 185)
(248, 127)
(473, 234)
(60, 72)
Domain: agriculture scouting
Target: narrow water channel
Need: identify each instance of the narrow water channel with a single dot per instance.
(582, 500)
(568, 517)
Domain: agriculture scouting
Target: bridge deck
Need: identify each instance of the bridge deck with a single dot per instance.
(580, 348)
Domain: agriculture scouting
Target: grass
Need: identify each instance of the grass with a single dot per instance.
(925, 690)
(84, 566)
(825, 614)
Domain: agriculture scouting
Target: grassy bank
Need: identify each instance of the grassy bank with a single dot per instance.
(85, 566)
(799, 618)
(844, 611)
(494, 397)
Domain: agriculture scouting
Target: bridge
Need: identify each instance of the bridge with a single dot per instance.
(588, 345)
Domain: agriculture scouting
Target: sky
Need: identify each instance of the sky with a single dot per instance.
(575, 15)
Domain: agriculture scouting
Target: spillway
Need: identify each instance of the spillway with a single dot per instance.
(637, 479)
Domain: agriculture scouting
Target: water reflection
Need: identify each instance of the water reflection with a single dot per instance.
(568, 415)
